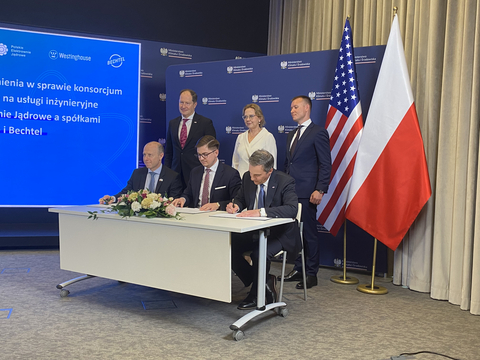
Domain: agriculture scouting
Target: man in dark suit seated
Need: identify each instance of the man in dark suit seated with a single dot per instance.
(182, 135)
(271, 193)
(213, 184)
(155, 177)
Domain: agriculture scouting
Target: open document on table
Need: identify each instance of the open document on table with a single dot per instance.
(234, 216)
(186, 210)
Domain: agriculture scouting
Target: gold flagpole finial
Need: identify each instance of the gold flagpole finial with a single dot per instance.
(395, 8)
(348, 17)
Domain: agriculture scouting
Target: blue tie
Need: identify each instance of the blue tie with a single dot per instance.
(152, 186)
(261, 197)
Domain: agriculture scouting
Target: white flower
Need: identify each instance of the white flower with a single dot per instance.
(154, 205)
(136, 206)
(122, 204)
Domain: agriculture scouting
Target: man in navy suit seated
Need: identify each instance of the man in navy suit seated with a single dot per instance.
(271, 193)
(213, 184)
(155, 177)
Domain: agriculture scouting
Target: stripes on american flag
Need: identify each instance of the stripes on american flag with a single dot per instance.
(344, 125)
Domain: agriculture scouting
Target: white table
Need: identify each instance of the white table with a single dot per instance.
(185, 256)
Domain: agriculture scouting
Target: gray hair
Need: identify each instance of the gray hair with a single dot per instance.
(262, 157)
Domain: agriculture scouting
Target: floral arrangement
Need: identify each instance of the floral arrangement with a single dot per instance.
(139, 203)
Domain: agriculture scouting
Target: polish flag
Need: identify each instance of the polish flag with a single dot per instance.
(390, 182)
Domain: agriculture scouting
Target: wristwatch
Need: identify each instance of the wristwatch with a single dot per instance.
(321, 191)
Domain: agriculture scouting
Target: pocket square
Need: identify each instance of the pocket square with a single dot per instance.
(221, 187)
(160, 179)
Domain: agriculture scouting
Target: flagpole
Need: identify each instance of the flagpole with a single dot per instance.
(346, 280)
(373, 289)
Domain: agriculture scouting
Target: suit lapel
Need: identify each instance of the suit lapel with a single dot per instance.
(159, 186)
(216, 179)
(272, 188)
(175, 127)
(197, 180)
(252, 194)
(302, 138)
(142, 179)
(193, 129)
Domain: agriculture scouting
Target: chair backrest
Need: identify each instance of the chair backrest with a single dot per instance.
(299, 213)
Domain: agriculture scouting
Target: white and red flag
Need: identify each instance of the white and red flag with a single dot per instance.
(344, 125)
(390, 182)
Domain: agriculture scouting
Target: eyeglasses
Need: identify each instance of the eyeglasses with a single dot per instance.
(245, 117)
(204, 155)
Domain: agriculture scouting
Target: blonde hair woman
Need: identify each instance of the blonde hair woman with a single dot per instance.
(257, 137)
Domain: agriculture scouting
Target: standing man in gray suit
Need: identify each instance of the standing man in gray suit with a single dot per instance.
(182, 135)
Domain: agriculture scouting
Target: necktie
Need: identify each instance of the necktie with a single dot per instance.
(261, 197)
(206, 183)
(295, 141)
(152, 186)
(183, 133)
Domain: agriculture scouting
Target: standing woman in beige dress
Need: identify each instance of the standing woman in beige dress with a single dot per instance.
(255, 138)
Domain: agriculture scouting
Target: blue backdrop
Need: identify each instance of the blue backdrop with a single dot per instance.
(225, 87)
(64, 101)
(92, 150)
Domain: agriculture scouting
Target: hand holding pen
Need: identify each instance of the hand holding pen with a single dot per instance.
(232, 208)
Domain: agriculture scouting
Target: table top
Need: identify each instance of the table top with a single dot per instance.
(199, 221)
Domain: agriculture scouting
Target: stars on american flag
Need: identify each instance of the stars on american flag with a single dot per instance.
(345, 97)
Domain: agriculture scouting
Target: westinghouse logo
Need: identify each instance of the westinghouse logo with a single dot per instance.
(283, 64)
(116, 60)
(53, 54)
(163, 51)
(181, 73)
(3, 49)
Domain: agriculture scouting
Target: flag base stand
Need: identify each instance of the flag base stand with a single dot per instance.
(372, 288)
(344, 279)
(376, 290)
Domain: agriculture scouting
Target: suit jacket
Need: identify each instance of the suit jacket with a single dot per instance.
(184, 160)
(224, 187)
(310, 164)
(281, 202)
(168, 182)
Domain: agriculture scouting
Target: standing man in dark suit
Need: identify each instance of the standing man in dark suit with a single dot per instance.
(271, 193)
(308, 160)
(155, 177)
(182, 135)
(213, 184)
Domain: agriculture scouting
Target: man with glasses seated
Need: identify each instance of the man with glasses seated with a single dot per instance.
(213, 184)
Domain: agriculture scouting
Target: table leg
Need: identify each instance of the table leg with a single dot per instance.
(261, 307)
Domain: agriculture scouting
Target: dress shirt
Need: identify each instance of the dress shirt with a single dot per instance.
(213, 171)
(304, 125)
(157, 175)
(188, 124)
(265, 187)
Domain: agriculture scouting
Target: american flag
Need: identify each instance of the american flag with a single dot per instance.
(344, 125)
